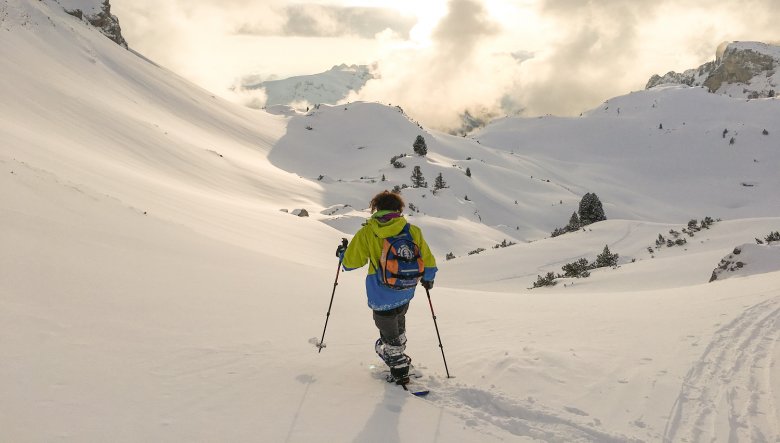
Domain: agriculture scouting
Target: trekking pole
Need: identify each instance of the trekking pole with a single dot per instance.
(321, 344)
(437, 332)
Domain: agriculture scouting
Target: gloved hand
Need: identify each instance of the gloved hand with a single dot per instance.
(427, 284)
(341, 249)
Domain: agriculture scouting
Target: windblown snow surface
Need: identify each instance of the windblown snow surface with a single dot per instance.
(151, 288)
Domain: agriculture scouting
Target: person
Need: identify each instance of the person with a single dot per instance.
(388, 302)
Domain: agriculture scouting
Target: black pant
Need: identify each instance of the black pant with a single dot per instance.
(391, 324)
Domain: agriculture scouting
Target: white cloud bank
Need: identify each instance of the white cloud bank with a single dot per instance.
(484, 56)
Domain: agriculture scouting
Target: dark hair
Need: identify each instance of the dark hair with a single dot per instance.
(387, 201)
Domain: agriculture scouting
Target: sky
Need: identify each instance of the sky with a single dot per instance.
(439, 58)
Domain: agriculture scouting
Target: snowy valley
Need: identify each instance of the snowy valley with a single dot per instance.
(157, 283)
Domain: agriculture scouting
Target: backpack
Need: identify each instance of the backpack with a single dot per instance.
(400, 265)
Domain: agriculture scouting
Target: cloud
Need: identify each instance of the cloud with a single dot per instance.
(611, 47)
(458, 72)
(540, 56)
(313, 20)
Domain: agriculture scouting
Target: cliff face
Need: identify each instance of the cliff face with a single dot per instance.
(740, 65)
(741, 69)
(97, 14)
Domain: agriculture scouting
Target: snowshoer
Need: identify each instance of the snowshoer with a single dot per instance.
(398, 258)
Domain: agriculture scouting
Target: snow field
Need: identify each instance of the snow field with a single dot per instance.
(150, 288)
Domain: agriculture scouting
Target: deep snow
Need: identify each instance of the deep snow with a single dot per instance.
(151, 288)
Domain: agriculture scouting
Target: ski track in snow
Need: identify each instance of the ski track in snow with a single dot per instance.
(525, 418)
(728, 390)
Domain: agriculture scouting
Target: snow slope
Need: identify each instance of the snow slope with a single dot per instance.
(150, 288)
(528, 175)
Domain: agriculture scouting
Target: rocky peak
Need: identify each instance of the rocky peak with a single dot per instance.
(740, 69)
(98, 14)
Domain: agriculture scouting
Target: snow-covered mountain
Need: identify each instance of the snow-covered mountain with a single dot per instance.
(659, 155)
(152, 290)
(740, 69)
(329, 87)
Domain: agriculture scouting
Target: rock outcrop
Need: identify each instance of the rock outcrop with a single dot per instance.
(749, 259)
(98, 15)
(740, 69)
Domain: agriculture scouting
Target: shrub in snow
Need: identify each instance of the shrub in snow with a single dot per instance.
(765, 132)
(547, 280)
(450, 256)
(773, 236)
(731, 142)
(577, 269)
(574, 225)
(707, 222)
(591, 210)
(476, 251)
(418, 180)
(581, 268)
(468, 172)
(691, 230)
(558, 231)
(420, 148)
(397, 164)
(504, 244)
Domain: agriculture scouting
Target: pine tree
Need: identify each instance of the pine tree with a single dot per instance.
(439, 183)
(468, 172)
(591, 210)
(418, 180)
(606, 258)
(420, 148)
(384, 179)
(574, 222)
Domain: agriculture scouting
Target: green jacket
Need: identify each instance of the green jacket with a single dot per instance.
(366, 248)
